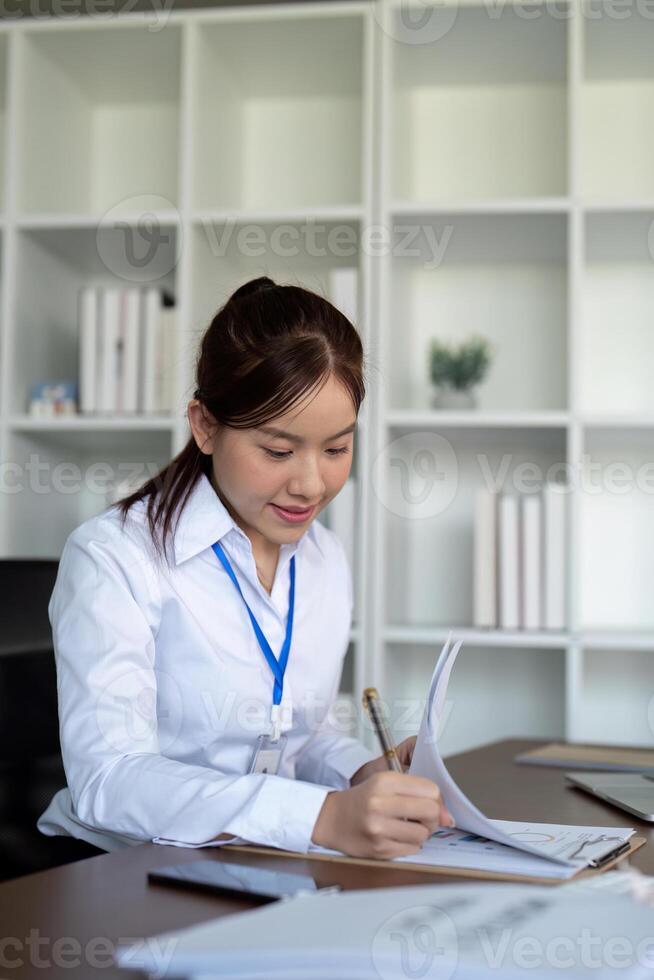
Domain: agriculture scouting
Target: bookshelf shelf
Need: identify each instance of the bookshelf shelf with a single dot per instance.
(500, 275)
(618, 297)
(516, 153)
(486, 118)
(433, 635)
(63, 221)
(617, 145)
(508, 205)
(259, 85)
(107, 133)
(52, 264)
(81, 423)
(527, 685)
(243, 216)
(472, 419)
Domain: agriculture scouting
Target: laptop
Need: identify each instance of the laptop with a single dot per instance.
(630, 791)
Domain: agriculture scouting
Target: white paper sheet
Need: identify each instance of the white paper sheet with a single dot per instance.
(464, 932)
(571, 846)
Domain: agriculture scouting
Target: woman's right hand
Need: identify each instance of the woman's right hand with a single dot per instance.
(388, 815)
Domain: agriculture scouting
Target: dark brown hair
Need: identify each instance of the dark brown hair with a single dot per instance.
(265, 348)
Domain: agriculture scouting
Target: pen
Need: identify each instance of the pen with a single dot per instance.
(373, 707)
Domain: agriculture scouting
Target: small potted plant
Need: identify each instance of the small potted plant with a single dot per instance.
(456, 370)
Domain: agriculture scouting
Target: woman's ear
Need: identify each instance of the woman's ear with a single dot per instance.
(203, 425)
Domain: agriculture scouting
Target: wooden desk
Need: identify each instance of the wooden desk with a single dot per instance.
(107, 898)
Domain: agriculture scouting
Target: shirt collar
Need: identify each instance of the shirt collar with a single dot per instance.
(204, 519)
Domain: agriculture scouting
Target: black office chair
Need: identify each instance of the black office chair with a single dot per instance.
(31, 769)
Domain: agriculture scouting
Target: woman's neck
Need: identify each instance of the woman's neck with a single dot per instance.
(266, 553)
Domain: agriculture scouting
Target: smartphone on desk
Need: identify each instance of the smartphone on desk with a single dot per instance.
(236, 880)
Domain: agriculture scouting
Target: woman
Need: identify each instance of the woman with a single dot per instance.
(200, 624)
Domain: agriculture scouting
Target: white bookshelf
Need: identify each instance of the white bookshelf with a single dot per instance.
(211, 125)
(523, 141)
(516, 146)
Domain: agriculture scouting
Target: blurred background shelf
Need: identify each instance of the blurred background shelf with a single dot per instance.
(494, 175)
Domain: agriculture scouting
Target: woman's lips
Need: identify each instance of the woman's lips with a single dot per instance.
(293, 517)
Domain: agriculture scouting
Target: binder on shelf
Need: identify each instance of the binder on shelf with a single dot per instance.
(87, 318)
(108, 349)
(509, 561)
(129, 387)
(166, 360)
(554, 508)
(485, 560)
(531, 561)
(149, 341)
(127, 357)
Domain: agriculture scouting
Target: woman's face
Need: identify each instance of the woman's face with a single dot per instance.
(256, 470)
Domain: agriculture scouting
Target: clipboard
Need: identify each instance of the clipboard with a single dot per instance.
(634, 843)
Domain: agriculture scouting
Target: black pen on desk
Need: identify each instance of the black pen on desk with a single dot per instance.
(372, 705)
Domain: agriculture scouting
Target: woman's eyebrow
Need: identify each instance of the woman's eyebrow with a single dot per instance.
(271, 430)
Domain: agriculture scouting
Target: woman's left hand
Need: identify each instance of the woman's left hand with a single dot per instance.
(404, 753)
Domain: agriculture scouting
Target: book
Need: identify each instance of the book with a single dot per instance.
(131, 328)
(509, 561)
(150, 361)
(485, 560)
(108, 351)
(606, 758)
(88, 326)
(554, 559)
(531, 562)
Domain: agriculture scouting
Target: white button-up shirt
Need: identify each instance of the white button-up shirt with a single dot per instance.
(164, 689)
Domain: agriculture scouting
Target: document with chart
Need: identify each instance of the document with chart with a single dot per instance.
(559, 850)
(477, 843)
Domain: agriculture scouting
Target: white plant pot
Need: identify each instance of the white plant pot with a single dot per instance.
(447, 398)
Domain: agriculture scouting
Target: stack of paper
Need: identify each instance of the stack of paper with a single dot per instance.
(540, 850)
(461, 931)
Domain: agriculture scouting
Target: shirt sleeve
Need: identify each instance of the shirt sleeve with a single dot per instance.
(104, 611)
(330, 757)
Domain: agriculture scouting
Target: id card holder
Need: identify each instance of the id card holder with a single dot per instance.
(267, 754)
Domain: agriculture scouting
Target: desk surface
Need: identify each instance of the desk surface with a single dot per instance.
(106, 899)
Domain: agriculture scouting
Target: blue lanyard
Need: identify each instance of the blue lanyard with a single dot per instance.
(278, 667)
